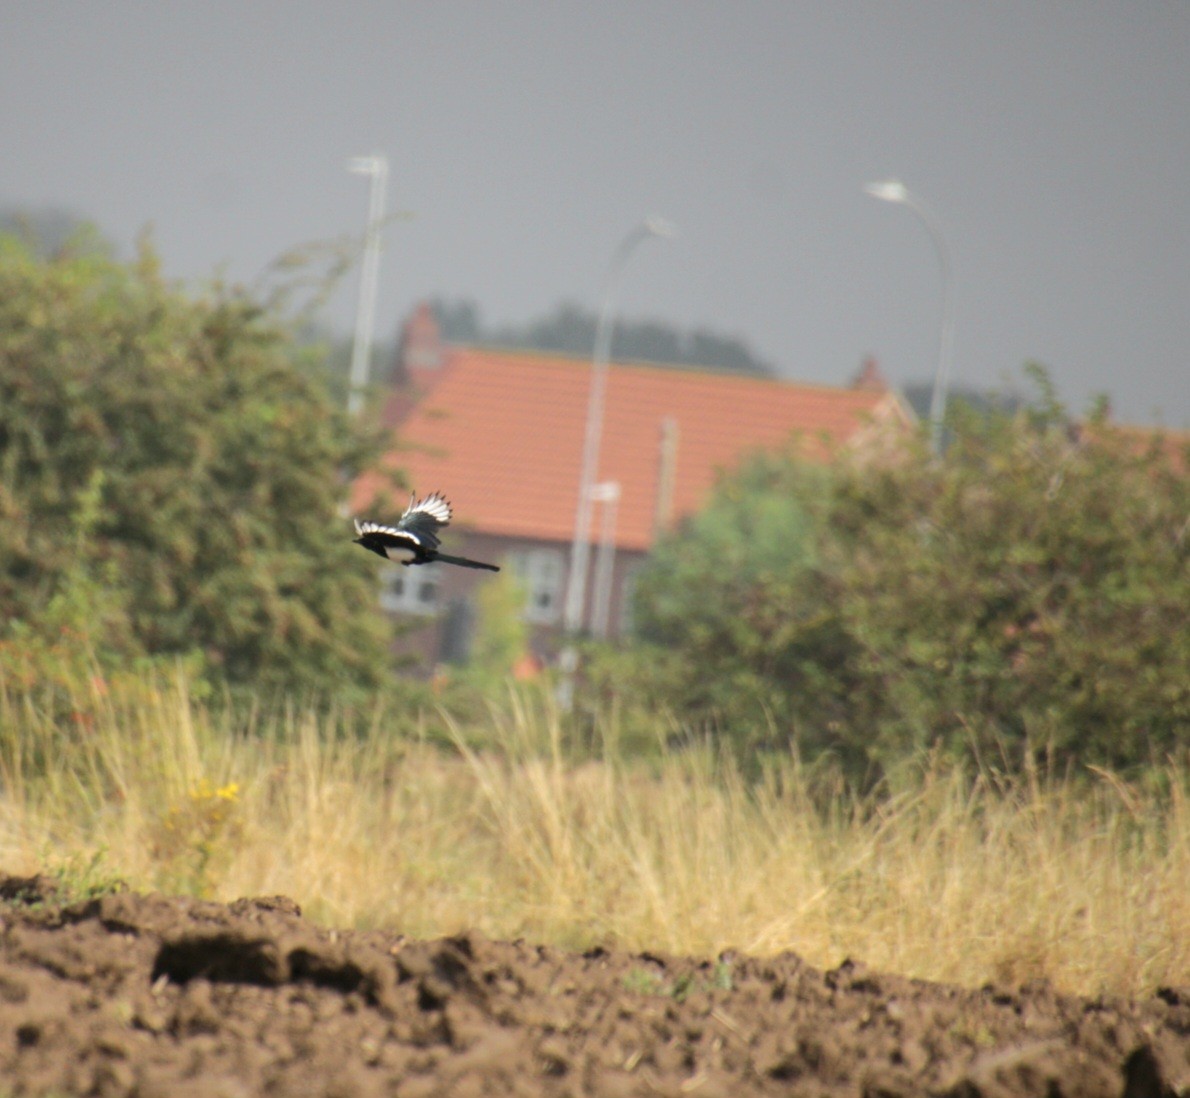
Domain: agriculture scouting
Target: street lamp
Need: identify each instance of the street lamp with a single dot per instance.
(576, 588)
(361, 347)
(893, 190)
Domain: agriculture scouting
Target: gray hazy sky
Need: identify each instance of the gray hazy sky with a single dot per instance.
(1051, 140)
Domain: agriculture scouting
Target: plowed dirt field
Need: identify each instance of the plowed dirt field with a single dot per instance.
(152, 995)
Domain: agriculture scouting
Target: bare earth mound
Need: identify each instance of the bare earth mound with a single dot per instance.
(162, 996)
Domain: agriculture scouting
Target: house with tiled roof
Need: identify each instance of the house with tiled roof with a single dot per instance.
(500, 433)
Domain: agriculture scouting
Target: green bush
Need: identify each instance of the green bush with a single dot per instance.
(170, 481)
(736, 617)
(1026, 593)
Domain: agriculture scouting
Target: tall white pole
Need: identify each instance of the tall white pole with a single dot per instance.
(576, 587)
(607, 494)
(893, 190)
(361, 348)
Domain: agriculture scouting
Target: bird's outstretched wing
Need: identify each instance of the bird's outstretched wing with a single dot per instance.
(424, 518)
(372, 534)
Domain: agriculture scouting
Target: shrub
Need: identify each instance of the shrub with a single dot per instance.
(1027, 592)
(164, 461)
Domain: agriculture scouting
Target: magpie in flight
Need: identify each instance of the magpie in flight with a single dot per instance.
(414, 539)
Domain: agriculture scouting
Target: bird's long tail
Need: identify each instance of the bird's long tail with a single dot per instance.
(465, 563)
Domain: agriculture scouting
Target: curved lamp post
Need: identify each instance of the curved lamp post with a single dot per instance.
(576, 588)
(361, 346)
(893, 190)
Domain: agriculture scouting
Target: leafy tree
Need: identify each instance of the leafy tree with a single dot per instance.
(737, 606)
(570, 329)
(53, 231)
(1027, 592)
(458, 321)
(217, 470)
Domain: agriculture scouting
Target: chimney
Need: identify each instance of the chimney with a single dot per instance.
(419, 357)
(667, 468)
(419, 348)
(869, 379)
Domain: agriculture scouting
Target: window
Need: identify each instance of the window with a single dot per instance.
(540, 573)
(410, 590)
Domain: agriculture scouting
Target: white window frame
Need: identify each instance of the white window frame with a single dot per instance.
(411, 590)
(541, 571)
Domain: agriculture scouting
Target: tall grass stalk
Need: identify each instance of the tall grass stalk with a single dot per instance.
(1083, 880)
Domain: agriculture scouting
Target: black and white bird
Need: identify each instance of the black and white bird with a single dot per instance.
(414, 539)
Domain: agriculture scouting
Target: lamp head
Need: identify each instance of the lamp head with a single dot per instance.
(658, 226)
(888, 190)
(364, 165)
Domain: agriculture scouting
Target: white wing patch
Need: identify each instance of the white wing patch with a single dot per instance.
(435, 505)
(363, 528)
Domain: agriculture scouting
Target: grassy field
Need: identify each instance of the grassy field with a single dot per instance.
(1083, 880)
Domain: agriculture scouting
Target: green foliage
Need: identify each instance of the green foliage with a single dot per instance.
(1028, 593)
(570, 329)
(501, 634)
(724, 607)
(54, 231)
(649, 981)
(628, 696)
(1025, 593)
(82, 877)
(198, 835)
(170, 481)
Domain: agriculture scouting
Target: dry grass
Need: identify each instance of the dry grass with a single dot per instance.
(1084, 883)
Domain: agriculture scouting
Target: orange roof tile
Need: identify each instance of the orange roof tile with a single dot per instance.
(501, 433)
(1137, 440)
